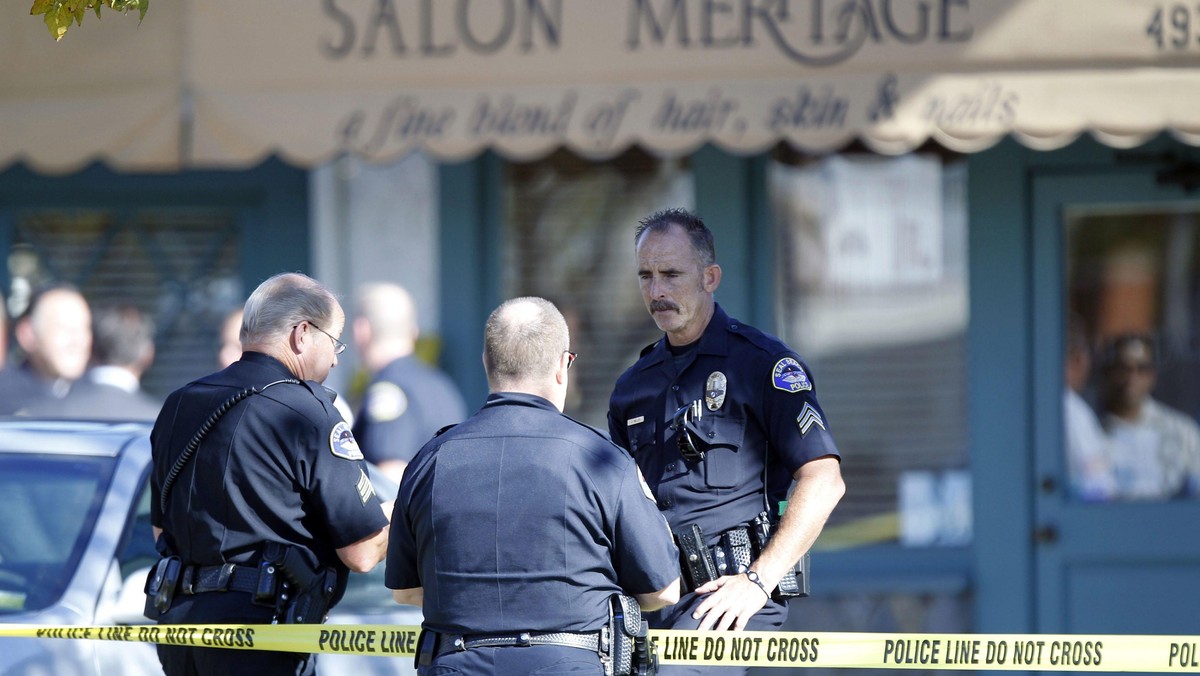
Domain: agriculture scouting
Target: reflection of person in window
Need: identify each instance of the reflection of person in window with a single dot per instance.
(1089, 450)
(1156, 448)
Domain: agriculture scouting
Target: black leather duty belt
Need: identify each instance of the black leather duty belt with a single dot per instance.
(450, 643)
(226, 577)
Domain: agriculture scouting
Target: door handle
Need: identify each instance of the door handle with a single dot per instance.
(1045, 535)
(1049, 484)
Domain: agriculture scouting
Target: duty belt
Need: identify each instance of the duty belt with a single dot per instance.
(226, 577)
(450, 643)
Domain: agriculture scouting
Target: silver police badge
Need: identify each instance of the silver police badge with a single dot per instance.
(714, 391)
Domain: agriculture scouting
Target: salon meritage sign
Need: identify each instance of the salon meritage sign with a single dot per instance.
(224, 83)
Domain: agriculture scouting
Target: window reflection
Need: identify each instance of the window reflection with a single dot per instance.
(872, 292)
(1132, 393)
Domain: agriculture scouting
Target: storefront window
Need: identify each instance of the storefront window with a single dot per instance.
(568, 237)
(177, 265)
(872, 292)
(1132, 384)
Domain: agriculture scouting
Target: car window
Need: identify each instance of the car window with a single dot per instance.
(139, 551)
(49, 505)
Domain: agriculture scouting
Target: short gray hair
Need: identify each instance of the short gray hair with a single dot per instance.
(523, 340)
(284, 301)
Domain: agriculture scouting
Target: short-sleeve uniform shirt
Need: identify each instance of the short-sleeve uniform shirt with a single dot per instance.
(403, 406)
(759, 418)
(278, 466)
(522, 519)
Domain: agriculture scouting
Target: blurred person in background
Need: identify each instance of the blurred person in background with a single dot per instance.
(3, 331)
(1089, 450)
(122, 350)
(1156, 449)
(55, 333)
(406, 401)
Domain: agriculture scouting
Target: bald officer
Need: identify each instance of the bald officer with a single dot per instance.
(514, 529)
(259, 493)
(709, 411)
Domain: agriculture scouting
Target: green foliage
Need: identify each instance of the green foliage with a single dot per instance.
(58, 14)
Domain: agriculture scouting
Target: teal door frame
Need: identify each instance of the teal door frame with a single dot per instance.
(1015, 366)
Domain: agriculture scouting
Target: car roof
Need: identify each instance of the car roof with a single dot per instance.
(68, 437)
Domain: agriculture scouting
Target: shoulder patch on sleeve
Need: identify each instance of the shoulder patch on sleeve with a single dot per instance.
(385, 402)
(789, 376)
(342, 442)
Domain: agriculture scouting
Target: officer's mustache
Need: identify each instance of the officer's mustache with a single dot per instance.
(663, 306)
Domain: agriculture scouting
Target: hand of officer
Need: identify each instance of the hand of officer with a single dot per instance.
(730, 603)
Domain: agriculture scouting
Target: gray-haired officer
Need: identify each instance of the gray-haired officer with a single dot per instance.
(260, 499)
(708, 412)
(515, 528)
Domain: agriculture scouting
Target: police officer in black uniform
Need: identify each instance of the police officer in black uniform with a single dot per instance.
(260, 499)
(721, 418)
(514, 528)
(407, 400)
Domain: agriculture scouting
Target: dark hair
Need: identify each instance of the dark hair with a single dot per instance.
(699, 234)
(122, 335)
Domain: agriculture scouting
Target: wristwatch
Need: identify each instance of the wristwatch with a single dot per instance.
(753, 577)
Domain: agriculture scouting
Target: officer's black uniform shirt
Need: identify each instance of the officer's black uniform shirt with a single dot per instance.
(767, 420)
(405, 404)
(522, 519)
(279, 466)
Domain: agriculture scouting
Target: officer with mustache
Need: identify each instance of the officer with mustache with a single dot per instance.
(722, 418)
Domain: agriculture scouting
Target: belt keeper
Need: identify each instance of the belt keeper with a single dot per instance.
(189, 580)
(459, 644)
(524, 640)
(224, 577)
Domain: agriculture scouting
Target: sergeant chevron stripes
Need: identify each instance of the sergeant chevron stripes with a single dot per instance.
(807, 418)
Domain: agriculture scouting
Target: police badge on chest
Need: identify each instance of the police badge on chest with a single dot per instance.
(714, 390)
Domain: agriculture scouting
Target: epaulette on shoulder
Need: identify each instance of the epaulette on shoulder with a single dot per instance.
(763, 341)
(646, 350)
(594, 430)
(444, 430)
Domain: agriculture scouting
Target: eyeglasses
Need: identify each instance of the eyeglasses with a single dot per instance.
(683, 438)
(571, 356)
(1137, 367)
(338, 346)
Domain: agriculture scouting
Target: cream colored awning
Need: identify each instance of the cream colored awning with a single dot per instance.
(226, 83)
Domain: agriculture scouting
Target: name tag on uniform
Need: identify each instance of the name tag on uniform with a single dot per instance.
(633, 421)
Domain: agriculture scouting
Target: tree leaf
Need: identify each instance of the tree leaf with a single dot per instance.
(41, 7)
(55, 22)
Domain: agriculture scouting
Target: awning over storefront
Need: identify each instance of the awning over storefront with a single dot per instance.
(226, 83)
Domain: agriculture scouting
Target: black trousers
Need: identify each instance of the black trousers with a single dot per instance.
(538, 660)
(226, 608)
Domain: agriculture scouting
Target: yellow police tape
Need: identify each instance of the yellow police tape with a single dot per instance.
(975, 652)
